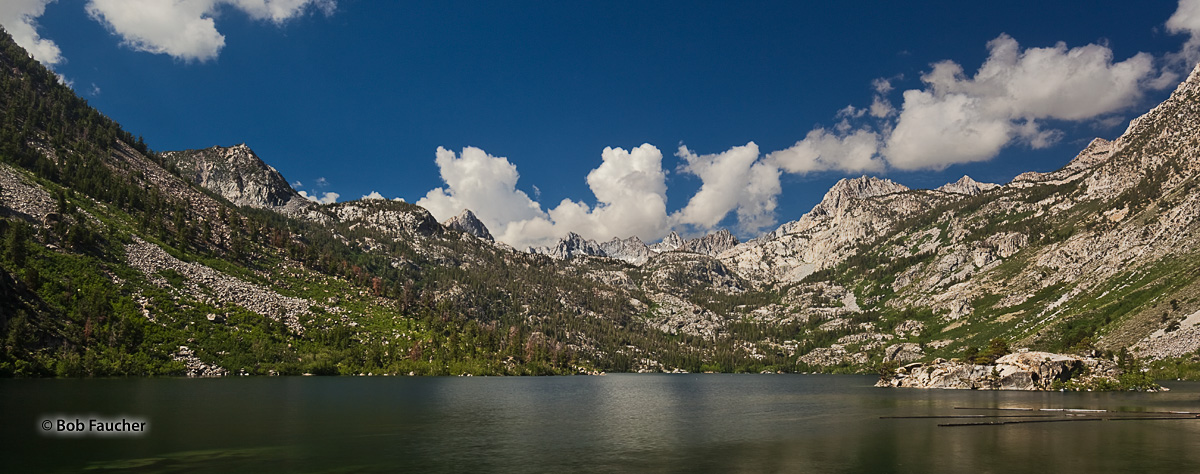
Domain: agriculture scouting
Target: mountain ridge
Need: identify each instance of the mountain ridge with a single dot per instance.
(119, 261)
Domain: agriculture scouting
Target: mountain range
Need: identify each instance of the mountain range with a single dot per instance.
(119, 260)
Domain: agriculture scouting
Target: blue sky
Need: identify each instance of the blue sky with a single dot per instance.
(353, 97)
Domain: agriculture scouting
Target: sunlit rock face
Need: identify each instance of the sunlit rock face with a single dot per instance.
(237, 174)
(467, 222)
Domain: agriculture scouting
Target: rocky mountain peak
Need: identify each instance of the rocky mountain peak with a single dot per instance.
(711, 244)
(850, 189)
(571, 246)
(631, 250)
(1097, 151)
(237, 174)
(671, 242)
(467, 222)
(967, 186)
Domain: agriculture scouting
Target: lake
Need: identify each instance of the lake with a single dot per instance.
(613, 423)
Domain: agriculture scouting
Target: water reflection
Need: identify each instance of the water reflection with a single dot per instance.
(617, 423)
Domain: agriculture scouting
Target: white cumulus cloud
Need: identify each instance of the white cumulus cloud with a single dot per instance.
(733, 180)
(629, 186)
(186, 29)
(279, 11)
(935, 132)
(881, 108)
(631, 199)
(19, 18)
(960, 119)
(374, 196)
(631, 195)
(485, 184)
(1014, 99)
(1186, 20)
(822, 150)
(324, 198)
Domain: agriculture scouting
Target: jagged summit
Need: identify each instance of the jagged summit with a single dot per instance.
(711, 244)
(852, 212)
(669, 243)
(239, 175)
(571, 246)
(631, 250)
(634, 251)
(967, 186)
(1096, 151)
(850, 189)
(467, 222)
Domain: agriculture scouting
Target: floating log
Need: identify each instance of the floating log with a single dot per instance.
(1081, 410)
(997, 423)
(995, 409)
(1118, 418)
(962, 416)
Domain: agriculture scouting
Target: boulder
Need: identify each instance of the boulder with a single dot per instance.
(1018, 371)
(905, 352)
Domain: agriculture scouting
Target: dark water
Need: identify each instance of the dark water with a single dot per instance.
(615, 423)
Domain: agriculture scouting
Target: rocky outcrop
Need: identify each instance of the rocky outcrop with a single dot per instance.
(674, 315)
(833, 355)
(398, 219)
(853, 212)
(678, 272)
(712, 244)
(1019, 371)
(967, 186)
(631, 250)
(672, 242)
(237, 174)
(571, 246)
(467, 222)
(905, 352)
(194, 367)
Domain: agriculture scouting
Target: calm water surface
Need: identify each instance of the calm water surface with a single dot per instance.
(615, 423)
